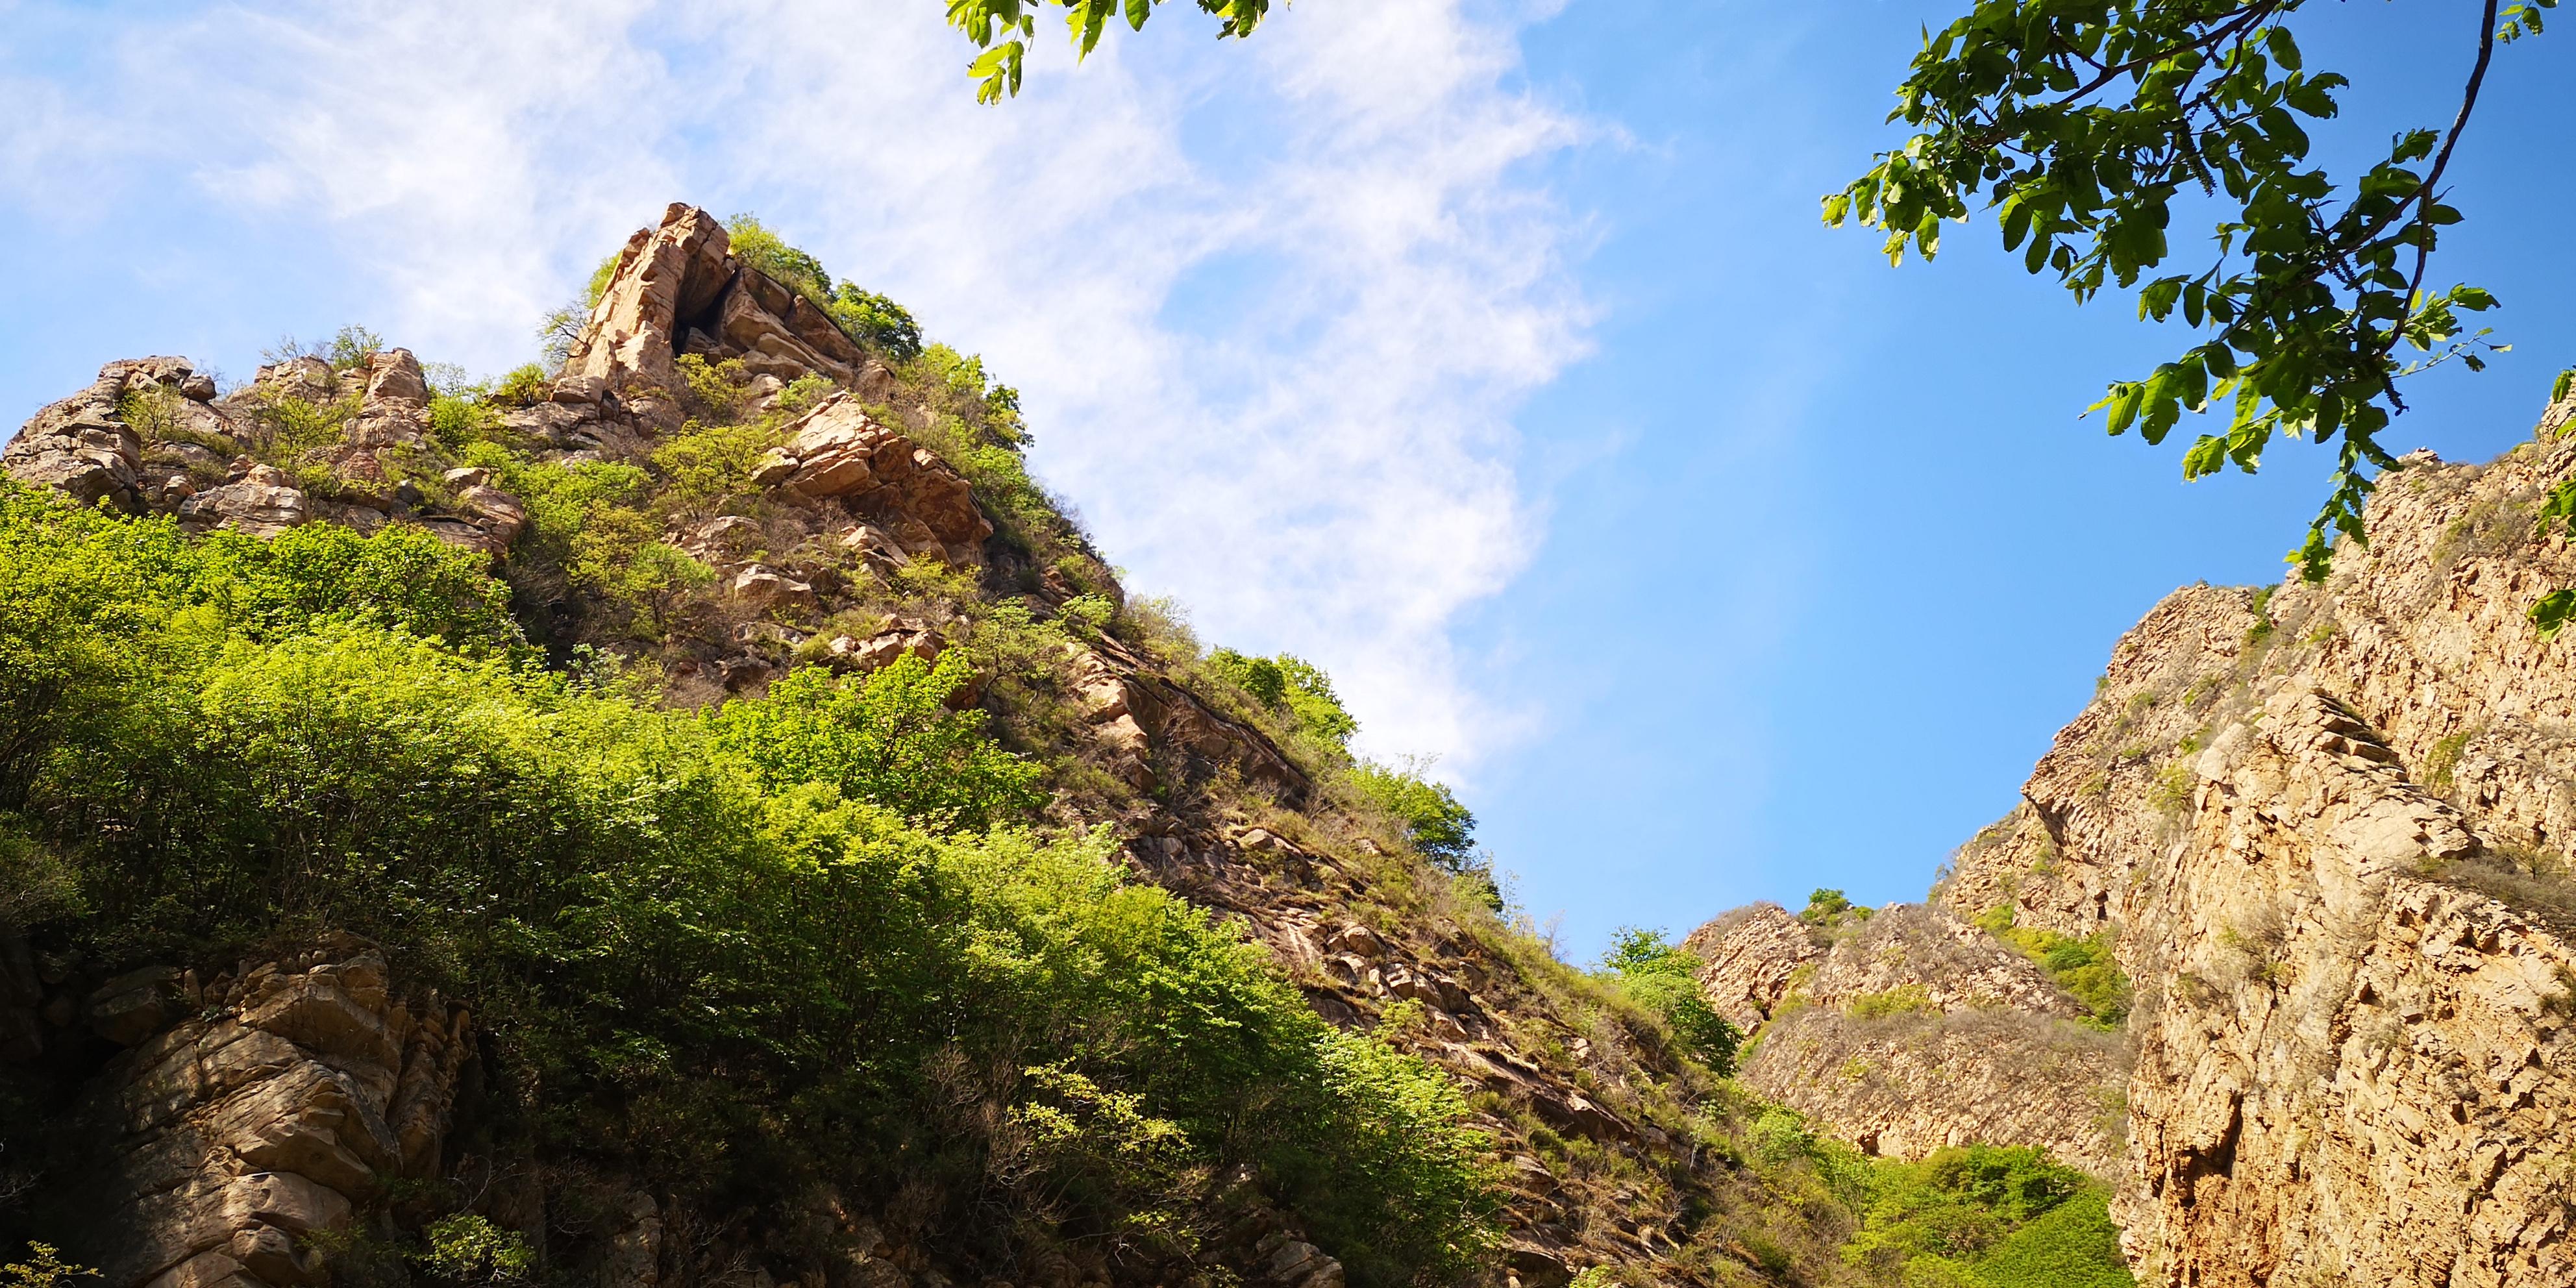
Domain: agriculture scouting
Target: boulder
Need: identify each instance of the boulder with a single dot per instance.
(839, 452)
(262, 503)
(82, 446)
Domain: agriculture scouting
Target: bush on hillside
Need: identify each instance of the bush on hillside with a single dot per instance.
(1664, 977)
(742, 954)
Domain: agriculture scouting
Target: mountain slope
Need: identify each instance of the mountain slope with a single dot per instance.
(704, 814)
(2320, 832)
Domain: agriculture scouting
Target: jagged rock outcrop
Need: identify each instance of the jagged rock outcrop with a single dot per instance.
(679, 289)
(82, 446)
(278, 1105)
(2329, 825)
(1908, 1030)
(837, 452)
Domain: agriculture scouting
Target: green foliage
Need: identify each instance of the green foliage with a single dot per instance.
(2072, 1245)
(2078, 124)
(1986, 1217)
(1904, 999)
(43, 1268)
(457, 421)
(2084, 967)
(352, 348)
(737, 955)
(1292, 685)
(755, 245)
(591, 519)
(469, 1249)
(525, 386)
(1015, 22)
(1441, 829)
(1827, 909)
(712, 392)
(888, 736)
(602, 277)
(866, 316)
(876, 320)
(703, 465)
(1664, 978)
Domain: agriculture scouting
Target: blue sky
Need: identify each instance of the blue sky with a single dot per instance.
(1488, 353)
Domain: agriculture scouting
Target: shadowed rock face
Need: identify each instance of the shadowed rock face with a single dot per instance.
(283, 1103)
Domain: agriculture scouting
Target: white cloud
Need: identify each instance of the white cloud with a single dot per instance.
(1272, 304)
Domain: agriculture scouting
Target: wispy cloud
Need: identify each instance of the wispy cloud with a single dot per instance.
(1272, 305)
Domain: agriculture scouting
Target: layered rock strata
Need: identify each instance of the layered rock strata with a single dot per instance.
(1908, 1030)
(254, 1116)
(2329, 826)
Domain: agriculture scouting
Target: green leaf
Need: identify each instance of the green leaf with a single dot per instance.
(2284, 50)
(2206, 457)
(2552, 612)
(1137, 12)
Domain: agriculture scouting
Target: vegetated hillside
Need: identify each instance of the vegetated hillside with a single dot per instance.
(699, 812)
(2306, 852)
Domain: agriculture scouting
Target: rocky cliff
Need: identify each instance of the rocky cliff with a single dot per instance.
(2321, 830)
(719, 487)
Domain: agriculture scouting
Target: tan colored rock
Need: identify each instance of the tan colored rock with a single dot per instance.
(263, 503)
(1910, 1031)
(2331, 837)
(226, 1141)
(82, 446)
(766, 588)
(838, 452)
(1753, 955)
(665, 277)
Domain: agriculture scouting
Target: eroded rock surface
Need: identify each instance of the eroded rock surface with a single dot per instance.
(1910, 1030)
(279, 1104)
(2329, 826)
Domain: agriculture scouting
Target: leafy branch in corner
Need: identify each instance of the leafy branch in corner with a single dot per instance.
(1014, 23)
(2079, 121)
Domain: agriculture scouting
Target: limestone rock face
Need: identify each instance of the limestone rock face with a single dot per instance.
(665, 277)
(1753, 954)
(838, 452)
(279, 1107)
(1911, 1030)
(1139, 718)
(679, 289)
(2329, 825)
(82, 445)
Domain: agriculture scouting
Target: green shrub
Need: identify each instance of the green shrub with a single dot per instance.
(754, 244)
(703, 465)
(1904, 999)
(880, 322)
(888, 736)
(525, 386)
(737, 956)
(1294, 686)
(352, 348)
(2084, 967)
(1986, 1216)
(1441, 829)
(1827, 909)
(2073, 1245)
(1664, 978)
(43, 1268)
(471, 1250)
